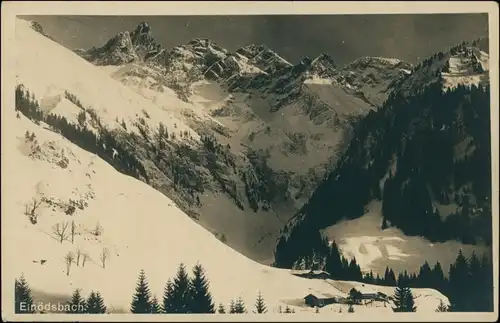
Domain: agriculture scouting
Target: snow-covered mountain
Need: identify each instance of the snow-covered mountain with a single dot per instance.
(283, 126)
(284, 123)
(162, 141)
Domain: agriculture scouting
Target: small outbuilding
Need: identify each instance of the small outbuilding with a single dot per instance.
(320, 300)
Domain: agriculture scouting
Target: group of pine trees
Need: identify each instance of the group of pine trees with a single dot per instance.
(94, 304)
(469, 287)
(24, 303)
(181, 295)
(416, 137)
(469, 283)
(325, 256)
(23, 298)
(104, 144)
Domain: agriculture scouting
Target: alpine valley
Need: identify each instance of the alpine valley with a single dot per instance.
(260, 169)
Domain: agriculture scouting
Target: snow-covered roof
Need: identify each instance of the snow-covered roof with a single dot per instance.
(321, 295)
(318, 272)
(308, 271)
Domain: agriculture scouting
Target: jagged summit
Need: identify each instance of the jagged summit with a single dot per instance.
(263, 57)
(323, 66)
(144, 43)
(125, 47)
(118, 50)
(143, 28)
(324, 57)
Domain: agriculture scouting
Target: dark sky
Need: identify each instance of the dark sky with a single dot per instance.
(343, 37)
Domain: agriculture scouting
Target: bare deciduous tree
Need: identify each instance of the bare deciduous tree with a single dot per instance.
(73, 231)
(78, 256)
(85, 258)
(104, 256)
(30, 210)
(69, 259)
(59, 230)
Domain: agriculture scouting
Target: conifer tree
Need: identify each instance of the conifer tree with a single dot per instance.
(155, 306)
(239, 306)
(141, 301)
(23, 298)
(409, 301)
(95, 303)
(200, 298)
(334, 262)
(487, 283)
(425, 275)
(403, 299)
(221, 309)
(260, 306)
(475, 289)
(437, 277)
(181, 291)
(77, 303)
(232, 307)
(392, 278)
(400, 280)
(399, 299)
(386, 274)
(168, 297)
(345, 268)
(288, 310)
(354, 271)
(458, 276)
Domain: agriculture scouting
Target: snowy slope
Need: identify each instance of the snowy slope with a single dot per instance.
(375, 249)
(63, 71)
(468, 67)
(116, 103)
(462, 64)
(141, 229)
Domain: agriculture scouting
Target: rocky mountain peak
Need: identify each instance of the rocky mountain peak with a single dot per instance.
(323, 66)
(324, 58)
(144, 43)
(142, 28)
(118, 50)
(125, 47)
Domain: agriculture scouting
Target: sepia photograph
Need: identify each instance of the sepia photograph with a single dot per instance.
(249, 161)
